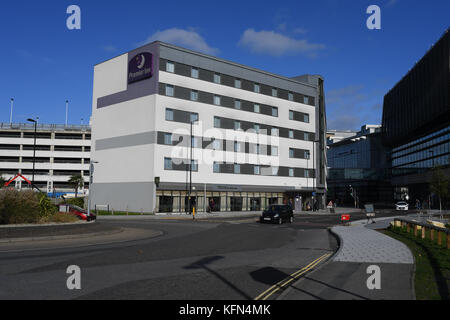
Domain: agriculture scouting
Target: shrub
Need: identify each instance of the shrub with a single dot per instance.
(18, 207)
(59, 217)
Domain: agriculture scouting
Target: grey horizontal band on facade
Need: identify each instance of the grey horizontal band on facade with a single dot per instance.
(158, 137)
(225, 102)
(184, 69)
(199, 188)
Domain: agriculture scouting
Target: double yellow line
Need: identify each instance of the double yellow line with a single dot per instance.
(282, 284)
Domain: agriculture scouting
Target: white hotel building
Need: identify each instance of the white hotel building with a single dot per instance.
(258, 138)
(61, 151)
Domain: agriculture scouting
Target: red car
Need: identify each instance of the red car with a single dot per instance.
(81, 213)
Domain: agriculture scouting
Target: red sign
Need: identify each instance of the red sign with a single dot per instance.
(345, 217)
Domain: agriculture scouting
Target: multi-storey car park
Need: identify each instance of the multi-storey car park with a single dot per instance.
(170, 125)
(61, 152)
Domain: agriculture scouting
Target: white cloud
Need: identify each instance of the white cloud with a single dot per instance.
(184, 38)
(276, 44)
(391, 3)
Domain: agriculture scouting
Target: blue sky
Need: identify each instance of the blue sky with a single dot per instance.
(44, 63)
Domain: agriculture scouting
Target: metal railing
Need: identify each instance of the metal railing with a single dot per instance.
(423, 228)
(43, 126)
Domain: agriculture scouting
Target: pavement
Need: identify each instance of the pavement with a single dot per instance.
(346, 275)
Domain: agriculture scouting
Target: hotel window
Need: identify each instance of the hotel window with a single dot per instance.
(274, 151)
(291, 115)
(305, 100)
(194, 73)
(194, 117)
(291, 134)
(168, 139)
(217, 78)
(291, 172)
(216, 145)
(194, 165)
(274, 112)
(257, 170)
(237, 125)
(217, 123)
(257, 127)
(194, 95)
(306, 136)
(237, 146)
(274, 92)
(306, 118)
(257, 149)
(257, 88)
(217, 100)
(170, 67)
(237, 83)
(274, 171)
(167, 164)
(307, 155)
(237, 104)
(216, 167)
(290, 96)
(169, 114)
(291, 153)
(237, 168)
(256, 108)
(274, 132)
(169, 90)
(306, 173)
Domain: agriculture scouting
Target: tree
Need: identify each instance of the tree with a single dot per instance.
(77, 182)
(439, 184)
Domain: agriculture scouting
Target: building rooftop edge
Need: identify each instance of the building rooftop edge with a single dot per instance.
(168, 45)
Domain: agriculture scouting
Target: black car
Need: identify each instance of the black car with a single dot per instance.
(277, 214)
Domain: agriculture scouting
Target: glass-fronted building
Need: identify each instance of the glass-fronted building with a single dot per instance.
(416, 125)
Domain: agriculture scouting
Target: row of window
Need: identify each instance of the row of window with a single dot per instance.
(43, 160)
(43, 148)
(231, 124)
(217, 100)
(223, 145)
(237, 83)
(248, 169)
(422, 144)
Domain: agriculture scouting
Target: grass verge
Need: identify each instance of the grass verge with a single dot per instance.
(432, 275)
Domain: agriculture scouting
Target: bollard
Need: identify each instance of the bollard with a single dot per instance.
(440, 238)
(432, 234)
(424, 232)
(448, 241)
(408, 227)
(415, 230)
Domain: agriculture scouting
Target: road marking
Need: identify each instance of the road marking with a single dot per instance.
(280, 285)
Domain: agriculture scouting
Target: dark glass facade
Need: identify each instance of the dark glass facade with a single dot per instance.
(416, 125)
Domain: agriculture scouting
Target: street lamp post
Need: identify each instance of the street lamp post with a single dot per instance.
(34, 147)
(315, 169)
(91, 172)
(11, 115)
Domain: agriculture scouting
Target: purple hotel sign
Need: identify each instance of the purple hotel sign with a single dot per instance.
(140, 67)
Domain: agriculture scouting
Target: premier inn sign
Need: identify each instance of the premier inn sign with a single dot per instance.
(140, 67)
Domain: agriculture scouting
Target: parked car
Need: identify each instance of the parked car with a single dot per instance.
(277, 214)
(81, 213)
(402, 206)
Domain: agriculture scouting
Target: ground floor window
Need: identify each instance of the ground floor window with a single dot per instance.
(178, 201)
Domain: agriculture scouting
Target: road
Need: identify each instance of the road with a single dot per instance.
(217, 259)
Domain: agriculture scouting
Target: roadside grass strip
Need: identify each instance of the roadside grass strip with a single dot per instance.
(283, 283)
